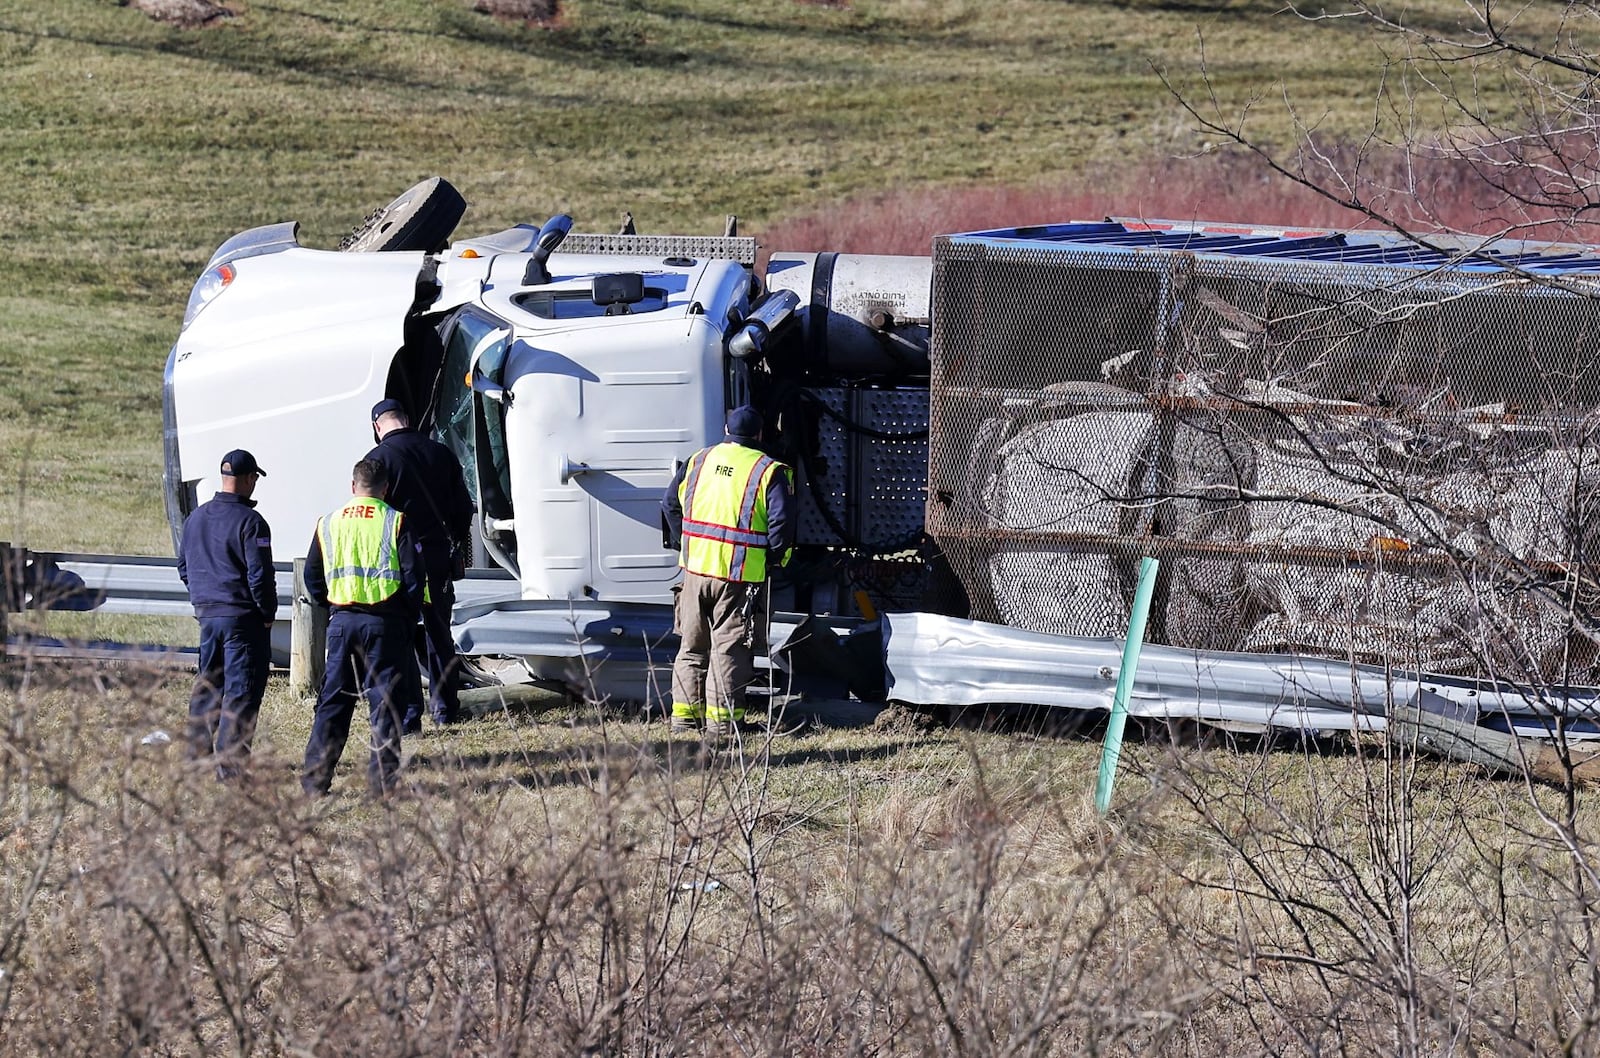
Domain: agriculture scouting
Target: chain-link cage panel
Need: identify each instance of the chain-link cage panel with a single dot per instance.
(1367, 461)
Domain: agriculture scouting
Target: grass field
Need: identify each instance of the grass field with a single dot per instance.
(544, 884)
(132, 149)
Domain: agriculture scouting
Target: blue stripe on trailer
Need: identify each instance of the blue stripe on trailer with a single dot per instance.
(1295, 244)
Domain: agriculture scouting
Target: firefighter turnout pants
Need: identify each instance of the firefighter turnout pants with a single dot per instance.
(720, 625)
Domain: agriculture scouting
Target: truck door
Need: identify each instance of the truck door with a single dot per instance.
(623, 464)
(601, 417)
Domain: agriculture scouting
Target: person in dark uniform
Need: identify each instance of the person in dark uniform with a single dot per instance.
(727, 511)
(365, 567)
(426, 485)
(225, 560)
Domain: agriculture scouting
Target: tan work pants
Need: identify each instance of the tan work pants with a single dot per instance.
(720, 626)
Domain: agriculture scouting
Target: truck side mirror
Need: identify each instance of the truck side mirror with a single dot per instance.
(544, 244)
(489, 388)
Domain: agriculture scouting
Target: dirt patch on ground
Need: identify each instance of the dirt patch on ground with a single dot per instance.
(188, 14)
(535, 12)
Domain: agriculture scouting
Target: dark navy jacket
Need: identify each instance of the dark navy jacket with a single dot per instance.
(226, 560)
(426, 485)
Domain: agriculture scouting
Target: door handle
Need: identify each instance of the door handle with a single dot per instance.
(571, 468)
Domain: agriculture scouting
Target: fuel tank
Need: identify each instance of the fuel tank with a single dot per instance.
(862, 316)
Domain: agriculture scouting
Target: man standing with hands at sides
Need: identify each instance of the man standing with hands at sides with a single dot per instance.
(364, 566)
(225, 560)
(728, 511)
(427, 486)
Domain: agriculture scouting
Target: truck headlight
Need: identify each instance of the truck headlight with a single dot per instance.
(207, 287)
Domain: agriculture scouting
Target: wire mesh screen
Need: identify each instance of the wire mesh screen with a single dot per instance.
(1359, 461)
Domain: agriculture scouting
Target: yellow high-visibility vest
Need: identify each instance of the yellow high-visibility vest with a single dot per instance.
(724, 498)
(361, 552)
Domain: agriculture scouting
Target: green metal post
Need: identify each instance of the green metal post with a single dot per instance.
(1112, 749)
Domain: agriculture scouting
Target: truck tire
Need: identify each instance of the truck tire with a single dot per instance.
(422, 218)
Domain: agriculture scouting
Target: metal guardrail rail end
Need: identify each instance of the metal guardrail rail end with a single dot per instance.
(103, 653)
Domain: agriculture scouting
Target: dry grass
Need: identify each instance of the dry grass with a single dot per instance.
(584, 884)
(137, 147)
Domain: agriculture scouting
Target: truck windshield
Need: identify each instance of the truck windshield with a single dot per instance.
(453, 416)
(453, 423)
(474, 427)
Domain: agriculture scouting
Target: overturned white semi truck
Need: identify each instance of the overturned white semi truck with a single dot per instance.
(1368, 465)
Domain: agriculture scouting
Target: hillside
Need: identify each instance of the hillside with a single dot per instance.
(134, 147)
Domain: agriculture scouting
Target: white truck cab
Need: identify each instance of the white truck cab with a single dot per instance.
(568, 384)
(599, 397)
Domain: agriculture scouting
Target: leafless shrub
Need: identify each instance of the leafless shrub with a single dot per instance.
(636, 896)
(1378, 903)
(1426, 192)
(622, 897)
(1482, 122)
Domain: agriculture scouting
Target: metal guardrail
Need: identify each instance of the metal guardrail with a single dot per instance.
(150, 585)
(613, 649)
(114, 584)
(111, 584)
(625, 650)
(146, 586)
(104, 653)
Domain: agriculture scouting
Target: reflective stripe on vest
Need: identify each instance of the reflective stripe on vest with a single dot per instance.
(360, 552)
(724, 498)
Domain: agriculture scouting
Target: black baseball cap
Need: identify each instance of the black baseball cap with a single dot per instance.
(238, 463)
(744, 423)
(385, 406)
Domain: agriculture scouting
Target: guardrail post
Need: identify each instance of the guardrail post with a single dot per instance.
(10, 592)
(308, 638)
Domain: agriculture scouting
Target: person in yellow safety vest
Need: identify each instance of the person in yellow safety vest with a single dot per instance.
(365, 567)
(729, 513)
